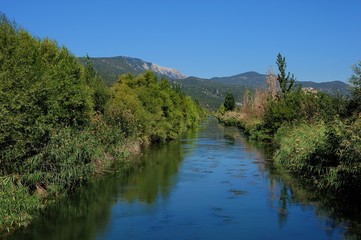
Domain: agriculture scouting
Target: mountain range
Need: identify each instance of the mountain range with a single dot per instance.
(111, 67)
(209, 93)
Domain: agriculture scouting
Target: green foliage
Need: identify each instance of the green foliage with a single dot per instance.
(229, 103)
(300, 105)
(355, 80)
(99, 92)
(60, 125)
(285, 81)
(304, 149)
(41, 88)
(144, 105)
(70, 159)
(329, 154)
(16, 205)
(314, 137)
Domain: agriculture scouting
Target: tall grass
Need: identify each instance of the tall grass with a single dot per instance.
(70, 159)
(300, 147)
(328, 154)
(16, 204)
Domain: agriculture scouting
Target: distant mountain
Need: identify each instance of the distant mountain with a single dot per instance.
(111, 67)
(249, 79)
(330, 87)
(256, 80)
(209, 93)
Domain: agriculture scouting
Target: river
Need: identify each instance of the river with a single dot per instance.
(211, 184)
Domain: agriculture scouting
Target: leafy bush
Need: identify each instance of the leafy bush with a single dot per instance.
(346, 143)
(327, 153)
(301, 105)
(41, 88)
(16, 203)
(303, 148)
(144, 105)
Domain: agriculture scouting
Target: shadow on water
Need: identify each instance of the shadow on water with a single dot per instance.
(85, 213)
(286, 191)
(228, 164)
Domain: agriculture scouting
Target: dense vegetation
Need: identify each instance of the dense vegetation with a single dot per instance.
(317, 135)
(60, 125)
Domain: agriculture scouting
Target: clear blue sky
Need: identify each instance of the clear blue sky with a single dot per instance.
(321, 39)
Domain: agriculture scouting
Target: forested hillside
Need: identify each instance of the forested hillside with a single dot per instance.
(111, 67)
(60, 125)
(208, 92)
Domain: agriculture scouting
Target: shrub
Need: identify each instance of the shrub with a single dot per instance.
(41, 88)
(16, 203)
(146, 106)
(304, 149)
(301, 105)
(229, 103)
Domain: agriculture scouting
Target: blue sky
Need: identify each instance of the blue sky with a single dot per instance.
(321, 39)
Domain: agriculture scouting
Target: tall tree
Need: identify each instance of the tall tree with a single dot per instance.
(286, 81)
(229, 103)
(355, 81)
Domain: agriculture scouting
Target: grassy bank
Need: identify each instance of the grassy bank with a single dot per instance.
(317, 136)
(61, 126)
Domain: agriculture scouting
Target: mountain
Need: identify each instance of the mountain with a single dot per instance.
(249, 79)
(111, 67)
(256, 80)
(210, 93)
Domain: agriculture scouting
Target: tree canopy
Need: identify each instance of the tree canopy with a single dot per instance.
(286, 81)
(229, 103)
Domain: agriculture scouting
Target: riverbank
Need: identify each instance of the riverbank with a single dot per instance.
(325, 154)
(240, 191)
(317, 135)
(77, 157)
(61, 126)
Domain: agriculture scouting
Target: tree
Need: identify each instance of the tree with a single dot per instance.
(99, 92)
(286, 82)
(355, 81)
(229, 103)
(42, 88)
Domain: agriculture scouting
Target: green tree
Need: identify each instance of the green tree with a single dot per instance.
(286, 81)
(99, 92)
(42, 87)
(229, 103)
(355, 80)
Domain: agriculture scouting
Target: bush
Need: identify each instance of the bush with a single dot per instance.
(327, 153)
(41, 88)
(301, 105)
(346, 142)
(304, 149)
(146, 106)
(16, 203)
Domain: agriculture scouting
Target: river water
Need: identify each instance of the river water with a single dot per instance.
(211, 184)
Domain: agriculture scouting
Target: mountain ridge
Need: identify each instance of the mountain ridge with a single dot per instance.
(111, 67)
(209, 93)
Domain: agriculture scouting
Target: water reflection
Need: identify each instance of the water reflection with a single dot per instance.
(211, 184)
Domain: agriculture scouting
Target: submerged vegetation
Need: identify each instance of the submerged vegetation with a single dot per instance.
(60, 125)
(317, 135)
